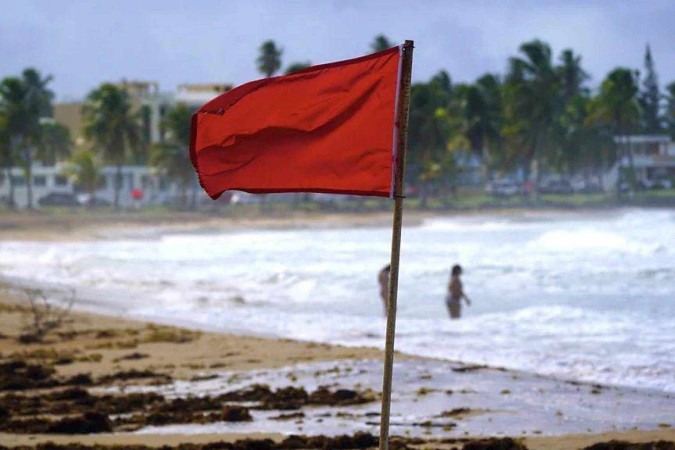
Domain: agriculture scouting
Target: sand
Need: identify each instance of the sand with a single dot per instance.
(103, 346)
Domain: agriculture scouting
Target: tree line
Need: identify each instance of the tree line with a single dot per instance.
(540, 117)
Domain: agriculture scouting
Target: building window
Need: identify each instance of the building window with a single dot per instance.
(39, 180)
(60, 180)
(18, 180)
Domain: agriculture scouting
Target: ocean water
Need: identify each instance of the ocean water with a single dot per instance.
(580, 296)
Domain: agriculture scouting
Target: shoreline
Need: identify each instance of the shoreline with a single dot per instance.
(82, 225)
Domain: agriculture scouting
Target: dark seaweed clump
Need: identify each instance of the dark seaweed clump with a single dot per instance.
(495, 444)
(290, 397)
(19, 375)
(88, 423)
(623, 445)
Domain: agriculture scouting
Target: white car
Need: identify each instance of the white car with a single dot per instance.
(503, 188)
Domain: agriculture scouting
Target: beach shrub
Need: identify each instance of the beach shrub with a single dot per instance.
(44, 314)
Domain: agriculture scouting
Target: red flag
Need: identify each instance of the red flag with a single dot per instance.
(328, 128)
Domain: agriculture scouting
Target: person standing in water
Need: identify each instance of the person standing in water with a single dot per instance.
(383, 280)
(453, 299)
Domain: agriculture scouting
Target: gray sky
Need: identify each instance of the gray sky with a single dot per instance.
(85, 42)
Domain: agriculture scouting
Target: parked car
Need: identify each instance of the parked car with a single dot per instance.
(504, 188)
(556, 187)
(656, 183)
(59, 199)
(589, 188)
(245, 198)
(92, 200)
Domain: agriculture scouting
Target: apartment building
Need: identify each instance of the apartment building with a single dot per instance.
(653, 158)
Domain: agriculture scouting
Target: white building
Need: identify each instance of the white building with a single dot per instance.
(154, 189)
(653, 158)
(146, 94)
(46, 180)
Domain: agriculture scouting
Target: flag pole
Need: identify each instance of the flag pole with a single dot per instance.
(402, 144)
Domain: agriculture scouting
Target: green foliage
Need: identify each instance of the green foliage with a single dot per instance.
(55, 143)
(5, 149)
(617, 102)
(269, 60)
(533, 100)
(429, 128)
(572, 75)
(296, 66)
(110, 124)
(85, 171)
(24, 101)
(112, 127)
(670, 109)
(172, 157)
(177, 124)
(650, 97)
(381, 42)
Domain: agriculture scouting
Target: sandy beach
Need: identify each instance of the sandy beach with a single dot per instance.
(106, 381)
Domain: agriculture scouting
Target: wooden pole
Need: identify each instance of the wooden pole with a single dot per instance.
(402, 124)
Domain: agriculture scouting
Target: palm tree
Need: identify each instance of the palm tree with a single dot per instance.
(85, 172)
(172, 157)
(532, 101)
(269, 60)
(670, 109)
(442, 81)
(572, 75)
(569, 126)
(617, 105)
(381, 42)
(576, 138)
(112, 128)
(13, 93)
(429, 132)
(296, 66)
(5, 147)
(38, 103)
(477, 108)
(55, 142)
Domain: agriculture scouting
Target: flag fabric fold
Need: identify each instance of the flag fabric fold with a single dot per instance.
(328, 128)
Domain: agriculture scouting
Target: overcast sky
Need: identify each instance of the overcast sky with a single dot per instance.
(85, 42)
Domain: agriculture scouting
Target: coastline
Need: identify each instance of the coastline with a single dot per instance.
(86, 225)
(101, 345)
